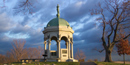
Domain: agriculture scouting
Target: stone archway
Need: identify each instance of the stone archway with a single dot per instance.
(53, 53)
(53, 40)
(65, 39)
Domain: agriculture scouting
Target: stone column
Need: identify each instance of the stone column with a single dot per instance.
(57, 50)
(66, 45)
(71, 49)
(48, 53)
(68, 49)
(59, 53)
(44, 46)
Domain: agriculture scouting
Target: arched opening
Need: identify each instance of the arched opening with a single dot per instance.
(63, 42)
(53, 43)
(53, 50)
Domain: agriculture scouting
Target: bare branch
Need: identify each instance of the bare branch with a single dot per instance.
(100, 51)
(25, 7)
(80, 55)
(4, 4)
(123, 38)
(18, 49)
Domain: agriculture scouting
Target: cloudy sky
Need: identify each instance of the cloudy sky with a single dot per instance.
(17, 24)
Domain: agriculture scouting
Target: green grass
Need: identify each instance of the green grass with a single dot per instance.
(60, 63)
(50, 63)
(68, 63)
(109, 63)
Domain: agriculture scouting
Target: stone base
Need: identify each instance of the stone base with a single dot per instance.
(51, 60)
(71, 60)
(62, 60)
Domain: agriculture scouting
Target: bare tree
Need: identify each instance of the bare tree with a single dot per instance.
(32, 53)
(17, 50)
(115, 15)
(40, 52)
(79, 55)
(25, 6)
(25, 55)
(35, 52)
(2, 59)
(10, 57)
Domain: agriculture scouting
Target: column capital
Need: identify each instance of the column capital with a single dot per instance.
(48, 41)
(44, 42)
(71, 42)
(66, 43)
(58, 41)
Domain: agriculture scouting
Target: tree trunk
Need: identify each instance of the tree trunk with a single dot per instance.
(108, 56)
(124, 58)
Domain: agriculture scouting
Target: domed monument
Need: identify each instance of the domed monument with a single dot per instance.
(59, 29)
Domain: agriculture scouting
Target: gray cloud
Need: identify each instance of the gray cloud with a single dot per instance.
(5, 23)
(77, 10)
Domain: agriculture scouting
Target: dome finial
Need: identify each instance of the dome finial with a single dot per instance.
(58, 15)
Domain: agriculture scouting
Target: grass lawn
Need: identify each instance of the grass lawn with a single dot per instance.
(109, 63)
(49, 63)
(67, 63)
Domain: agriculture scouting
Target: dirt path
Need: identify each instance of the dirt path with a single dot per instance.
(87, 63)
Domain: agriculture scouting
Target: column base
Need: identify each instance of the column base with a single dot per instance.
(72, 60)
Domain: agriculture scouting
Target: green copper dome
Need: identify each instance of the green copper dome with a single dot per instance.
(58, 22)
